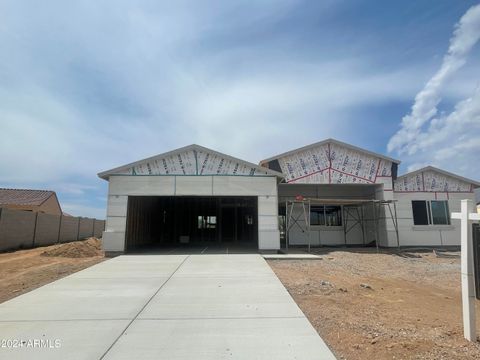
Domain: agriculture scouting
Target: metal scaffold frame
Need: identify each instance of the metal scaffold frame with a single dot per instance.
(297, 214)
(292, 220)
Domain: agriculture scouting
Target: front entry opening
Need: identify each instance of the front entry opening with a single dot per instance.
(182, 222)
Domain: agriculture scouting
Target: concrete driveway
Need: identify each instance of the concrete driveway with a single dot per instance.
(161, 307)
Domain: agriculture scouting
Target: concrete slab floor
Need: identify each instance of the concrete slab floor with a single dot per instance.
(69, 339)
(212, 297)
(207, 339)
(162, 306)
(76, 299)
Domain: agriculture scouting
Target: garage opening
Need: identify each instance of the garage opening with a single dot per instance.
(163, 222)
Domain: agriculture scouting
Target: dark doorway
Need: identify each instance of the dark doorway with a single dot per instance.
(181, 221)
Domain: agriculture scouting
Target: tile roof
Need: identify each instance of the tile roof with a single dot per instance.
(24, 196)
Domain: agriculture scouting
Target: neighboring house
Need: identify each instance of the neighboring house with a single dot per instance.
(43, 201)
(343, 195)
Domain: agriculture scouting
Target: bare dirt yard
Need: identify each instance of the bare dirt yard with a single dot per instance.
(24, 270)
(387, 305)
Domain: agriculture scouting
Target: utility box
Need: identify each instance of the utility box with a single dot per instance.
(476, 258)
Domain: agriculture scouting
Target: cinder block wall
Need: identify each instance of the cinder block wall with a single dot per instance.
(46, 230)
(16, 229)
(85, 229)
(98, 228)
(69, 229)
(26, 229)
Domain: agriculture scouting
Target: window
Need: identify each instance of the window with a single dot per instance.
(333, 215)
(326, 215)
(207, 222)
(440, 213)
(430, 212)
(420, 214)
(317, 215)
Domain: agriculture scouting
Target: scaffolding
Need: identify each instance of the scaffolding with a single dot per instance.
(297, 214)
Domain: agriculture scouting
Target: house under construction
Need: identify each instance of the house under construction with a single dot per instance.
(325, 194)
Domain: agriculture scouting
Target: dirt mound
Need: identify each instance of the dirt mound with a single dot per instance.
(78, 249)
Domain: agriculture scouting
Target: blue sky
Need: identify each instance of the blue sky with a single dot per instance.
(86, 86)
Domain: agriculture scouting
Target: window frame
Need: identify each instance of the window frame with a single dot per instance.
(446, 210)
(317, 215)
(324, 212)
(423, 215)
(429, 211)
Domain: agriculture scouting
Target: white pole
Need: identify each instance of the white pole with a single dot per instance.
(468, 285)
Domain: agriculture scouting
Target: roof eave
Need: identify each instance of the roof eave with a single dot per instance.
(444, 172)
(106, 174)
(330, 140)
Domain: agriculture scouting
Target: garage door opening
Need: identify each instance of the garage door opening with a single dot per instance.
(163, 222)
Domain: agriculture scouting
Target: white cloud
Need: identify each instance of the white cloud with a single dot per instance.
(451, 140)
(294, 105)
(89, 86)
(60, 129)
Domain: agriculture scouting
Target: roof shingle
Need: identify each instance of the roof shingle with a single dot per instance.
(24, 196)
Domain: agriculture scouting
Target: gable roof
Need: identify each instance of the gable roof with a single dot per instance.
(196, 148)
(440, 171)
(330, 141)
(24, 196)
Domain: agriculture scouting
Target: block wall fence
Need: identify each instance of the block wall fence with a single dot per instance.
(25, 229)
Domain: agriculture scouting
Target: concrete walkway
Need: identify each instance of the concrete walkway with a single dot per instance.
(161, 307)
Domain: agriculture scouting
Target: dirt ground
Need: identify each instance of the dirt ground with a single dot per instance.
(24, 270)
(389, 305)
